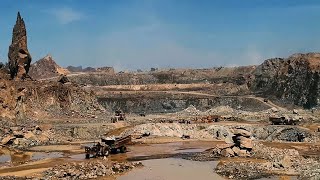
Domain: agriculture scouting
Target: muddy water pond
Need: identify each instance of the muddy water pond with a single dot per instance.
(16, 157)
(176, 168)
(173, 169)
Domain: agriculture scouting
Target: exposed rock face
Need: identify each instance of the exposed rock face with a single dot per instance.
(292, 80)
(19, 56)
(33, 99)
(46, 68)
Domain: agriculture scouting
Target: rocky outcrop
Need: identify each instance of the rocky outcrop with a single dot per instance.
(294, 80)
(46, 68)
(19, 56)
(241, 145)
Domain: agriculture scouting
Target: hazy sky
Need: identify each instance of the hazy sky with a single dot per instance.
(131, 34)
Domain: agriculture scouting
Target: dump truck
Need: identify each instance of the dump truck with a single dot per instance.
(108, 145)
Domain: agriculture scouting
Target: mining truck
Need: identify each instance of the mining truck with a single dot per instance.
(108, 145)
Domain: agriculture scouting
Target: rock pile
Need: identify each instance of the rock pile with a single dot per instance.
(24, 136)
(88, 170)
(19, 56)
(241, 145)
(267, 161)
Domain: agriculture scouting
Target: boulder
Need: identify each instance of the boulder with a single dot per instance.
(228, 152)
(243, 153)
(8, 140)
(18, 134)
(29, 135)
(245, 142)
(242, 132)
(274, 110)
(286, 162)
(236, 150)
(15, 128)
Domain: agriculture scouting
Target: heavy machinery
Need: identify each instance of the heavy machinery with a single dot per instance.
(107, 146)
(282, 121)
(118, 116)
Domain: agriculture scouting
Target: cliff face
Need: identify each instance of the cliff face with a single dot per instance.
(19, 56)
(292, 80)
(46, 68)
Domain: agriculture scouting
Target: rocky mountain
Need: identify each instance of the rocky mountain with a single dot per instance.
(19, 56)
(46, 68)
(291, 80)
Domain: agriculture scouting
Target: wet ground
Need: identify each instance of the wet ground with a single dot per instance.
(176, 168)
(173, 169)
(14, 162)
(161, 161)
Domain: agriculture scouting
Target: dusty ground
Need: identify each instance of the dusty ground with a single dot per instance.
(57, 144)
(23, 163)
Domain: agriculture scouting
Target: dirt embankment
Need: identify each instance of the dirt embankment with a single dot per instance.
(223, 131)
(236, 75)
(164, 102)
(21, 100)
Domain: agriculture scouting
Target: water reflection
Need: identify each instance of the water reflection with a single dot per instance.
(15, 157)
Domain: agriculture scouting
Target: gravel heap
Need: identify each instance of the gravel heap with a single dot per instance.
(267, 161)
(88, 170)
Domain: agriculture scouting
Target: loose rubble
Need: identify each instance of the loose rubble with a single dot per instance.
(267, 161)
(223, 132)
(89, 170)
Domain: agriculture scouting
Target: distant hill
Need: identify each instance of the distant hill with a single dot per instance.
(80, 69)
(90, 69)
(46, 68)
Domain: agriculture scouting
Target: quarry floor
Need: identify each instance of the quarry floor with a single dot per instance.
(160, 156)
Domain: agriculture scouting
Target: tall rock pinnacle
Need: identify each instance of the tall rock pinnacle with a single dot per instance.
(19, 56)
